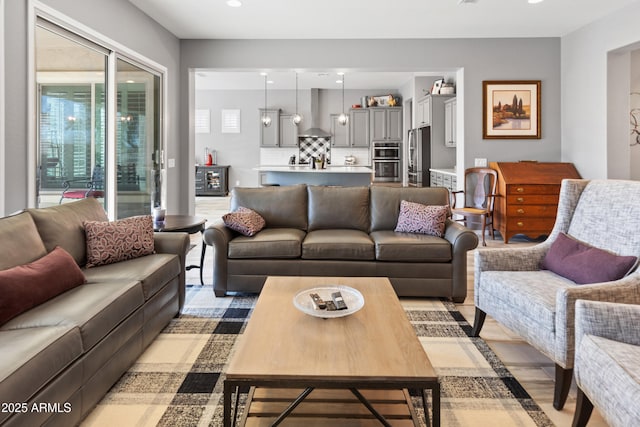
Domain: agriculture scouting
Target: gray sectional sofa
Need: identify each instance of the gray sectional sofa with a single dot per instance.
(63, 355)
(340, 231)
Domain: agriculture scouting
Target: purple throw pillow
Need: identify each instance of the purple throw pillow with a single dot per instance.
(585, 264)
(423, 219)
(244, 220)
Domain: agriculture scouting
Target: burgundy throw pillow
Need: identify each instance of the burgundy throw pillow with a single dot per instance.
(423, 219)
(115, 241)
(584, 264)
(26, 286)
(244, 220)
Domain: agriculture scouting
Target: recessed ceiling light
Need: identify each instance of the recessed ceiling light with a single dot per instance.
(234, 3)
(270, 82)
(535, 1)
(339, 81)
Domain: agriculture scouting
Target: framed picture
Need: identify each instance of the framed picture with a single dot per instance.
(437, 85)
(511, 109)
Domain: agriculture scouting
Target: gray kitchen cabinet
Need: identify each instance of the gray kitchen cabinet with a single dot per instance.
(288, 131)
(423, 112)
(339, 133)
(270, 136)
(450, 122)
(386, 123)
(359, 135)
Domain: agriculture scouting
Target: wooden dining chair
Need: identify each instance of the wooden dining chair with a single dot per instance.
(479, 193)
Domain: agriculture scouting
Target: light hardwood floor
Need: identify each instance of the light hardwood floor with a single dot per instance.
(532, 369)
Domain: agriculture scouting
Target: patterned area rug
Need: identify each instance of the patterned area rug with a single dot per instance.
(178, 381)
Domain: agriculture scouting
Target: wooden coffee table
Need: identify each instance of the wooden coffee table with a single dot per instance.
(353, 367)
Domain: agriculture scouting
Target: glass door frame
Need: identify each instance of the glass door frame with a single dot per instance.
(116, 51)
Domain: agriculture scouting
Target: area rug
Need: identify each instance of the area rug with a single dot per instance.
(178, 381)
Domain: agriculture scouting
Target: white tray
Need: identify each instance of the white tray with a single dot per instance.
(352, 298)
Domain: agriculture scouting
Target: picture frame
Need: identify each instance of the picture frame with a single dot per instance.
(437, 85)
(501, 120)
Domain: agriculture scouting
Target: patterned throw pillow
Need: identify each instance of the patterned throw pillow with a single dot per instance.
(109, 242)
(423, 219)
(244, 220)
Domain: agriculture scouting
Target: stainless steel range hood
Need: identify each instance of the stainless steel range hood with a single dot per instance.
(314, 130)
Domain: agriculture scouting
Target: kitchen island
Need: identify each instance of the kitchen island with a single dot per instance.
(346, 176)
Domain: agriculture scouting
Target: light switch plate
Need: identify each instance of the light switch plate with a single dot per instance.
(481, 163)
(172, 163)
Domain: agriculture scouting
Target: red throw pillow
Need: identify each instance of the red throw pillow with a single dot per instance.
(423, 219)
(244, 220)
(584, 264)
(26, 286)
(115, 241)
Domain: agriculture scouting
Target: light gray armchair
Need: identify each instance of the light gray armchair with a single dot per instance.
(539, 305)
(606, 363)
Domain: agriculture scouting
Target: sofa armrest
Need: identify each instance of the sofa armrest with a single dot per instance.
(614, 321)
(625, 290)
(219, 236)
(462, 240)
(178, 244)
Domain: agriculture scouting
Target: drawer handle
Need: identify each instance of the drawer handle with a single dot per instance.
(520, 199)
(520, 190)
(520, 211)
(520, 224)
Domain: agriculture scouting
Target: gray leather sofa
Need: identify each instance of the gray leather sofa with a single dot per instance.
(340, 231)
(64, 355)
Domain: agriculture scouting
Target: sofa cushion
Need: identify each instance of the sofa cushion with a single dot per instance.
(21, 242)
(31, 357)
(269, 243)
(341, 244)
(244, 220)
(338, 207)
(96, 309)
(115, 241)
(26, 286)
(62, 225)
(283, 207)
(583, 263)
(410, 247)
(422, 219)
(152, 271)
(385, 202)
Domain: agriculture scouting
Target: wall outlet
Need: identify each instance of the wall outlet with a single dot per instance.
(237, 183)
(481, 163)
(171, 163)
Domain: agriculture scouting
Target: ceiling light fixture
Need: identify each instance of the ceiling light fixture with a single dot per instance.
(535, 1)
(297, 118)
(266, 120)
(342, 118)
(234, 3)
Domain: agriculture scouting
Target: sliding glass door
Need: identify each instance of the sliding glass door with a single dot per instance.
(97, 136)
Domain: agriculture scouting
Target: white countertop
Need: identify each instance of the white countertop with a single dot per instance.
(444, 170)
(307, 169)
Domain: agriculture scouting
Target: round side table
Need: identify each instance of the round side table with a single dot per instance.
(184, 224)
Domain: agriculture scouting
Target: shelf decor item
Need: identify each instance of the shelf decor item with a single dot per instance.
(511, 109)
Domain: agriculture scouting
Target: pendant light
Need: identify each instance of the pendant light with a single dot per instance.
(297, 118)
(343, 118)
(266, 120)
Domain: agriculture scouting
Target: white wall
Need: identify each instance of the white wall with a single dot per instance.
(586, 105)
(635, 103)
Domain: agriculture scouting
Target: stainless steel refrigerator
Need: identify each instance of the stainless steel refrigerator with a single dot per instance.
(419, 160)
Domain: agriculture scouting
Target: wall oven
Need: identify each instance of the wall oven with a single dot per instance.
(387, 161)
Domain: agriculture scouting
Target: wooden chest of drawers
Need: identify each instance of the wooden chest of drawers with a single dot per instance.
(528, 195)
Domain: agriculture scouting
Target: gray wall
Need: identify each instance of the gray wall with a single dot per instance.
(117, 20)
(481, 59)
(595, 100)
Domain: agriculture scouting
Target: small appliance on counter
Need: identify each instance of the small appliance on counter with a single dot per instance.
(292, 160)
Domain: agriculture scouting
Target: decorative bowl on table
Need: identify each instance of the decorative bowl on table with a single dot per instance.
(352, 298)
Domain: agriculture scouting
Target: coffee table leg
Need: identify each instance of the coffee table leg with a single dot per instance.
(435, 402)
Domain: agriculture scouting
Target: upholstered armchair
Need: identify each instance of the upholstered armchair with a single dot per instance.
(539, 304)
(606, 362)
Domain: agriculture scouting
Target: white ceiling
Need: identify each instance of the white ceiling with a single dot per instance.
(363, 19)
(370, 19)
